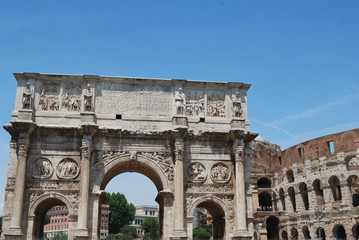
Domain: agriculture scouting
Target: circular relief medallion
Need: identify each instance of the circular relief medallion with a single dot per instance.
(220, 173)
(41, 168)
(68, 169)
(196, 172)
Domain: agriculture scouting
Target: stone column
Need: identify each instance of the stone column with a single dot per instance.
(255, 200)
(179, 231)
(16, 218)
(239, 195)
(82, 228)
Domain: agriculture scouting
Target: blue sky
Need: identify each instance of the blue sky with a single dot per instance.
(301, 57)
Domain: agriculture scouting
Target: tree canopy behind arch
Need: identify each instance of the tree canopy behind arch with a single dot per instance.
(122, 213)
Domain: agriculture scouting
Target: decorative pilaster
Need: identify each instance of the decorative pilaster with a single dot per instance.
(179, 232)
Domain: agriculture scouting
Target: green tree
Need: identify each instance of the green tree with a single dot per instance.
(118, 236)
(129, 231)
(60, 236)
(202, 233)
(150, 226)
(122, 213)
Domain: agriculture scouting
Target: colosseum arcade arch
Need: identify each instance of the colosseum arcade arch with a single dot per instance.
(71, 134)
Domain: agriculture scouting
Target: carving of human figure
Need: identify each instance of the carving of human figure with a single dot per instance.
(237, 105)
(198, 172)
(88, 99)
(201, 104)
(180, 102)
(26, 97)
(66, 101)
(43, 100)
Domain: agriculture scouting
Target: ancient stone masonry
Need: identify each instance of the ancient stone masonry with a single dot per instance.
(71, 134)
(311, 188)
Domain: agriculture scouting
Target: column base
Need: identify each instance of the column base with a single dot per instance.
(241, 235)
(179, 235)
(14, 233)
(81, 234)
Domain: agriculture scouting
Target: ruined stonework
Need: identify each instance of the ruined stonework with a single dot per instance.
(71, 134)
(312, 188)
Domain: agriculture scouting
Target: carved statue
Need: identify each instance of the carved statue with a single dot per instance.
(180, 100)
(237, 105)
(196, 172)
(88, 99)
(43, 100)
(26, 97)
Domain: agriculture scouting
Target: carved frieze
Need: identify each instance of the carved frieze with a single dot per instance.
(71, 99)
(41, 168)
(196, 172)
(209, 188)
(49, 97)
(165, 163)
(215, 104)
(195, 103)
(220, 173)
(67, 169)
(52, 184)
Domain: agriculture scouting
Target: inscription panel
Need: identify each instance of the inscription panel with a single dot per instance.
(134, 99)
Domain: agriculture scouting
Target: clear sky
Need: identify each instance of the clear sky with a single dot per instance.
(301, 57)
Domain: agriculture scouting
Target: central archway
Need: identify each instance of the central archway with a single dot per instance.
(133, 162)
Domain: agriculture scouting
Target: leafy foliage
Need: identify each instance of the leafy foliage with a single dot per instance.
(60, 236)
(129, 231)
(122, 213)
(202, 233)
(118, 236)
(150, 226)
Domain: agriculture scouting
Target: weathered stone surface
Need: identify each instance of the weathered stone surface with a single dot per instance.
(71, 134)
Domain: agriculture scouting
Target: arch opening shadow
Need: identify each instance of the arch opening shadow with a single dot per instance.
(218, 218)
(272, 223)
(339, 232)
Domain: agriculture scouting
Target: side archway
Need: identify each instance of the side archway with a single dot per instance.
(38, 210)
(218, 209)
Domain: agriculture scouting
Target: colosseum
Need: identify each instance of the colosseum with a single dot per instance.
(310, 190)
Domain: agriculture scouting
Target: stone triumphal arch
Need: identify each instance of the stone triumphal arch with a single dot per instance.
(71, 134)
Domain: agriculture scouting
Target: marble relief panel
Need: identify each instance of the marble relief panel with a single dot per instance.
(216, 104)
(71, 97)
(195, 103)
(49, 97)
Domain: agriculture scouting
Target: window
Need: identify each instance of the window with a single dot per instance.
(301, 152)
(331, 146)
(146, 212)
